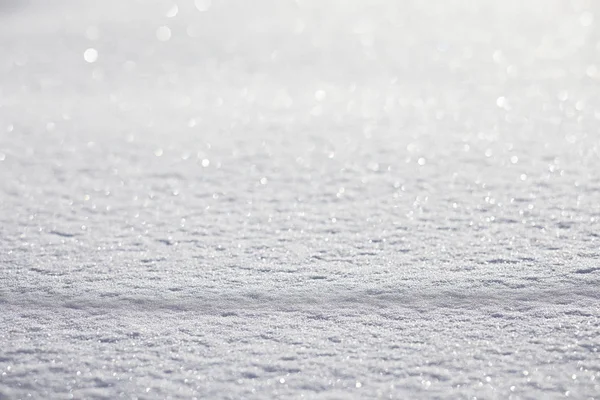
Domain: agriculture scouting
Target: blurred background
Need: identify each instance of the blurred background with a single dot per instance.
(171, 65)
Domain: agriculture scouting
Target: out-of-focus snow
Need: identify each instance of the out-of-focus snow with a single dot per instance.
(285, 199)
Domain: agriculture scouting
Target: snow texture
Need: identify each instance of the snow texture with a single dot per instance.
(299, 199)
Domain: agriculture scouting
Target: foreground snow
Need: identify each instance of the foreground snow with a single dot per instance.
(310, 199)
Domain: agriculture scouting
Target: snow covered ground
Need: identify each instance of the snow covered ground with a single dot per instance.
(299, 199)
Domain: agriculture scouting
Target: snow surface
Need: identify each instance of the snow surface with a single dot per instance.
(318, 199)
